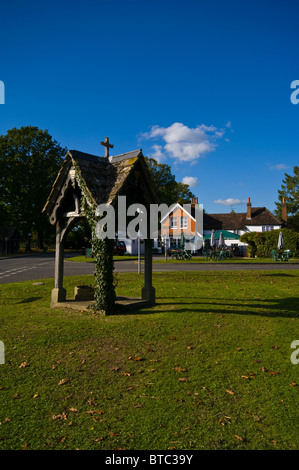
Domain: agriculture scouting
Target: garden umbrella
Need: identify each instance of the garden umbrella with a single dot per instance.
(280, 241)
(182, 240)
(213, 240)
(221, 241)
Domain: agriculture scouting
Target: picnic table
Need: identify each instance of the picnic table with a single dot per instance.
(180, 253)
(283, 256)
(217, 255)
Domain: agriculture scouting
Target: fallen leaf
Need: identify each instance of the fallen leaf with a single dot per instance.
(183, 379)
(59, 416)
(239, 437)
(100, 412)
(24, 364)
(293, 384)
(230, 392)
(179, 369)
(113, 434)
(63, 381)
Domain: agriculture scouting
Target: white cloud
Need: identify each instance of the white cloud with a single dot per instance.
(158, 154)
(279, 166)
(192, 181)
(183, 143)
(230, 202)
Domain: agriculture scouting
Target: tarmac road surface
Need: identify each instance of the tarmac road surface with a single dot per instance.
(41, 266)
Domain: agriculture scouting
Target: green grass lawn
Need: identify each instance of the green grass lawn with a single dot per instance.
(195, 259)
(83, 259)
(207, 368)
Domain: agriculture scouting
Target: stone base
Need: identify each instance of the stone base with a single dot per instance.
(122, 304)
(58, 294)
(149, 294)
(84, 293)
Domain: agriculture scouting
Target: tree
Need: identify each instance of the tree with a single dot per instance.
(290, 192)
(169, 190)
(29, 162)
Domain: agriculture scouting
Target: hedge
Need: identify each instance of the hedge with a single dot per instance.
(262, 243)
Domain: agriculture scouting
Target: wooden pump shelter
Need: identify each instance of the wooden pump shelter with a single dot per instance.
(100, 180)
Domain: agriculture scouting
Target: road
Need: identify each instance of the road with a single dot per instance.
(41, 266)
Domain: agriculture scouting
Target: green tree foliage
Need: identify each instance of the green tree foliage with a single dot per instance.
(262, 243)
(29, 162)
(290, 191)
(169, 190)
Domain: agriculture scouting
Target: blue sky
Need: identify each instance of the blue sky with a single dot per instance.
(202, 85)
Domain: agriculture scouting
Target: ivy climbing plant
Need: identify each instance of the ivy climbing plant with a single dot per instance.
(102, 250)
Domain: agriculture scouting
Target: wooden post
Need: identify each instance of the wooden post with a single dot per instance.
(58, 293)
(148, 291)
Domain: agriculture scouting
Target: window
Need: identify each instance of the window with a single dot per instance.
(184, 222)
(173, 222)
(267, 228)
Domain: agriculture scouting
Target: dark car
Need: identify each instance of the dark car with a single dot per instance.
(172, 249)
(119, 248)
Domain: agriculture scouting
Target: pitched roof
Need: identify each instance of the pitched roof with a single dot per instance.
(239, 221)
(11, 232)
(103, 177)
(176, 206)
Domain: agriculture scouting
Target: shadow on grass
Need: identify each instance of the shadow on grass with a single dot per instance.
(279, 275)
(30, 299)
(286, 308)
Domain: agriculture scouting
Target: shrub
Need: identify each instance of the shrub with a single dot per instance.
(262, 243)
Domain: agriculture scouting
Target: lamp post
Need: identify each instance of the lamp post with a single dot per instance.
(139, 254)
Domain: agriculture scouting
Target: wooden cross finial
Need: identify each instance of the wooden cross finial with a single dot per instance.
(107, 146)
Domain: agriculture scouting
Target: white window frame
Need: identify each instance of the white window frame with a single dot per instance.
(173, 222)
(184, 219)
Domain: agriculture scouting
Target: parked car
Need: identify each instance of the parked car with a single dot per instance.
(119, 248)
(171, 249)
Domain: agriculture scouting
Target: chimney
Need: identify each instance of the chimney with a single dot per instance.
(284, 211)
(248, 216)
(194, 201)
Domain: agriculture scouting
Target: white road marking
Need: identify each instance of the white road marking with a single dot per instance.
(17, 271)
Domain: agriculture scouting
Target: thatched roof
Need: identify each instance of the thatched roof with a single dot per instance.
(103, 178)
